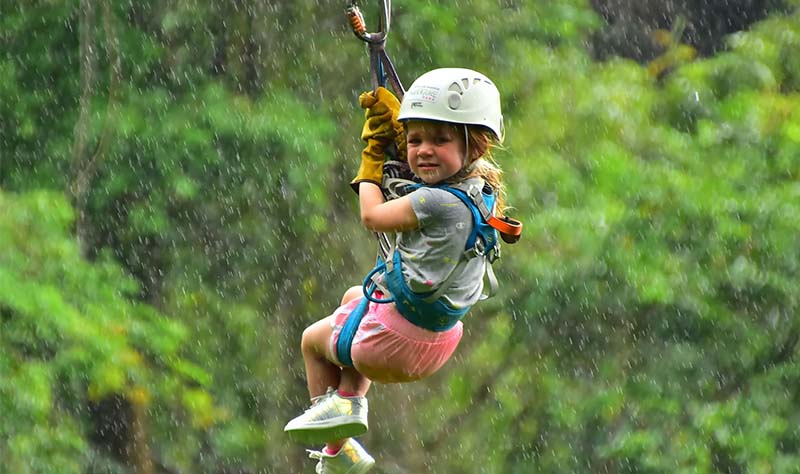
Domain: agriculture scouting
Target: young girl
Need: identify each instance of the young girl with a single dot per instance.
(411, 316)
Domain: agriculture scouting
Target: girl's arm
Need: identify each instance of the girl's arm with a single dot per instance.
(392, 216)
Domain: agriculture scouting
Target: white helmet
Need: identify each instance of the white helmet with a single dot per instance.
(454, 95)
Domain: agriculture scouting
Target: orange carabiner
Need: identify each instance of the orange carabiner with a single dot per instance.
(359, 26)
(381, 68)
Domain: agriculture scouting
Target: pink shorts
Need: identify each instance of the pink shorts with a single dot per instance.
(389, 349)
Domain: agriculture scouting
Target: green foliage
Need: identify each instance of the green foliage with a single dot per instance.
(72, 334)
(663, 265)
(646, 321)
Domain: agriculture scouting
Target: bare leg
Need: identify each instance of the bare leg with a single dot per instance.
(320, 372)
(351, 381)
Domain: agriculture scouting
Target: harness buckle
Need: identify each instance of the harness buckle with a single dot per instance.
(477, 250)
(474, 192)
(494, 254)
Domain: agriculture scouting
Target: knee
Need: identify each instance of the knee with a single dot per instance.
(305, 339)
(309, 343)
(352, 293)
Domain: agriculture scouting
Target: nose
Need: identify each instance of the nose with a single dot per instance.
(425, 148)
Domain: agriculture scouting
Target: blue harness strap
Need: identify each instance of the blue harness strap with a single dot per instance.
(436, 315)
(348, 333)
(480, 228)
(425, 310)
(350, 327)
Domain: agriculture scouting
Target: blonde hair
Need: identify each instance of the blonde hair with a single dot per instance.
(481, 142)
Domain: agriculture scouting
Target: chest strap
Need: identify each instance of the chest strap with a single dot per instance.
(421, 309)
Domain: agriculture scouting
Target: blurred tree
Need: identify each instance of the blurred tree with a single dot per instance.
(675, 53)
(630, 25)
(645, 322)
(73, 337)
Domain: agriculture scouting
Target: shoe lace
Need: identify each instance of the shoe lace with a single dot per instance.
(319, 398)
(318, 455)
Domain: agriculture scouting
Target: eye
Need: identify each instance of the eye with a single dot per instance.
(443, 139)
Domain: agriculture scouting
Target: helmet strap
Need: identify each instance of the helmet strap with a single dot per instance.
(466, 146)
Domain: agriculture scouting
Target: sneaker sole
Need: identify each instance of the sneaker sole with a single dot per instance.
(323, 434)
(362, 467)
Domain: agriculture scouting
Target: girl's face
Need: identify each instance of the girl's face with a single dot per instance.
(435, 150)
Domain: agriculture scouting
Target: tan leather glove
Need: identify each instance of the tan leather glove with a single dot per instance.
(400, 141)
(380, 130)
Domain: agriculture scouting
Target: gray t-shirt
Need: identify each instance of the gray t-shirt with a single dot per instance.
(432, 251)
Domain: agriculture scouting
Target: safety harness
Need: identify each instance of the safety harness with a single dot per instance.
(430, 310)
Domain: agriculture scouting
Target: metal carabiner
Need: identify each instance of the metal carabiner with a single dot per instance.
(381, 68)
(381, 71)
(360, 28)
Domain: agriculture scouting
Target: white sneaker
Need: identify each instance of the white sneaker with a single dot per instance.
(351, 459)
(330, 418)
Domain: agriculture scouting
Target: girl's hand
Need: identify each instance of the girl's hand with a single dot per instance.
(379, 131)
